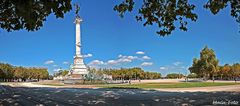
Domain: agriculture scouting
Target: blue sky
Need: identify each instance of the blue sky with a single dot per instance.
(109, 41)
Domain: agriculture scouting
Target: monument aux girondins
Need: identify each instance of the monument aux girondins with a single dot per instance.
(78, 69)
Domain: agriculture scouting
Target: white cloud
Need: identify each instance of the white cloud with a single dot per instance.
(55, 65)
(65, 62)
(163, 68)
(56, 70)
(177, 63)
(132, 57)
(119, 56)
(49, 62)
(124, 60)
(140, 52)
(118, 61)
(96, 62)
(87, 55)
(121, 59)
(146, 64)
(113, 62)
(146, 57)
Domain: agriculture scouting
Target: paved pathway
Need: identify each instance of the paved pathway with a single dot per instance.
(27, 96)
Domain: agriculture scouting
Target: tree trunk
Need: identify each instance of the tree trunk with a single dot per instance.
(235, 79)
(213, 78)
(204, 77)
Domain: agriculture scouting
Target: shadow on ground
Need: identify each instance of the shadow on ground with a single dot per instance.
(109, 97)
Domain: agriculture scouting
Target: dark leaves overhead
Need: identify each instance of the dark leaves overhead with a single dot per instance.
(163, 13)
(126, 5)
(166, 14)
(30, 14)
(169, 14)
(216, 5)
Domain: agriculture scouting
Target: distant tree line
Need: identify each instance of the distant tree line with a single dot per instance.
(61, 73)
(229, 72)
(129, 73)
(174, 76)
(207, 66)
(192, 75)
(9, 73)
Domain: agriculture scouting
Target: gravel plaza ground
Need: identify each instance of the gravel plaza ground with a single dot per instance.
(28, 94)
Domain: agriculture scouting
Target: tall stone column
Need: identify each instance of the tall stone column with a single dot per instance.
(78, 21)
(79, 68)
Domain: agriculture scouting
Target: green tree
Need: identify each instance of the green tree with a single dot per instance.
(31, 73)
(9, 73)
(61, 73)
(207, 65)
(235, 71)
(130, 73)
(2, 74)
(7, 70)
(174, 75)
(65, 72)
(30, 14)
(44, 73)
(224, 71)
(21, 73)
(197, 67)
(40, 73)
(169, 14)
(166, 14)
(192, 75)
